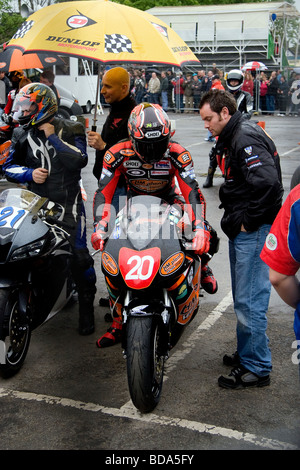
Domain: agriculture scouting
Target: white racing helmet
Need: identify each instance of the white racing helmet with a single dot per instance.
(234, 75)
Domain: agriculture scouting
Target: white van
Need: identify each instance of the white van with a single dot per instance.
(80, 78)
(68, 103)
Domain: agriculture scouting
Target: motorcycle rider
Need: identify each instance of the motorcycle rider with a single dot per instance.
(234, 83)
(150, 163)
(47, 154)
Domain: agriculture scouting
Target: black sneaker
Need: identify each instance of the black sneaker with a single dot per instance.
(232, 361)
(241, 377)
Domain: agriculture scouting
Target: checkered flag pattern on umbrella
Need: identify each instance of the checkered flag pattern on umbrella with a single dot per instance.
(116, 43)
(24, 28)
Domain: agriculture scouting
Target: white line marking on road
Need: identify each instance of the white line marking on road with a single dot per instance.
(190, 342)
(196, 143)
(130, 412)
(289, 151)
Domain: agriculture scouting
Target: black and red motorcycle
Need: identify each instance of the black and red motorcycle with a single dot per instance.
(153, 282)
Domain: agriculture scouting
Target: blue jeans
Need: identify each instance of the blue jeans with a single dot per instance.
(251, 291)
(164, 100)
(154, 98)
(270, 103)
(179, 102)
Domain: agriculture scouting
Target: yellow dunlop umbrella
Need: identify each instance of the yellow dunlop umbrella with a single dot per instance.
(102, 31)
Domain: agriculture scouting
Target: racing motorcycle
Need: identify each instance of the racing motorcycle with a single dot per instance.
(35, 280)
(153, 280)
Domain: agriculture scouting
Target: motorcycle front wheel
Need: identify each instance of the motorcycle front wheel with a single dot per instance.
(15, 332)
(145, 364)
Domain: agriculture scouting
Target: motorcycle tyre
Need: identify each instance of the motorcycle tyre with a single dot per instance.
(144, 369)
(12, 329)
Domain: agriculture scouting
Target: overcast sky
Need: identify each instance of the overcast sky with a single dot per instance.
(297, 5)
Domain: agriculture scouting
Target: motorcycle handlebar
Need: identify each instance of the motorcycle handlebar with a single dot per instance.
(60, 223)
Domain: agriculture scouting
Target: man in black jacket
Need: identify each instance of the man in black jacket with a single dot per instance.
(234, 83)
(115, 90)
(251, 197)
(271, 97)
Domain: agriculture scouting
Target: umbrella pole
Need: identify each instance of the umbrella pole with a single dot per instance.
(94, 127)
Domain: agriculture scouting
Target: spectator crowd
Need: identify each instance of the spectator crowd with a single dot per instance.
(271, 92)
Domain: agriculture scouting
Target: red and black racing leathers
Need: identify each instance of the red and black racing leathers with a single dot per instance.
(157, 179)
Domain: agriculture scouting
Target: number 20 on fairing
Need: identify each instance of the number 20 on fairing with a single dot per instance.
(139, 268)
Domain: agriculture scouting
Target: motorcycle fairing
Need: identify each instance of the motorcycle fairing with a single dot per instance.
(4, 151)
(187, 309)
(139, 268)
(172, 264)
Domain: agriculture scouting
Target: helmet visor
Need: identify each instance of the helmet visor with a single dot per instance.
(24, 109)
(151, 152)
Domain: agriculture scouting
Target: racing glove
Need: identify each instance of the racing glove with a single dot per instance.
(99, 235)
(200, 241)
(7, 118)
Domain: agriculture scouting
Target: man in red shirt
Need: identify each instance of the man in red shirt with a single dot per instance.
(281, 253)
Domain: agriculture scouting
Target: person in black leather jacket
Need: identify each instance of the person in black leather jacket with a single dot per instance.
(251, 197)
(47, 154)
(234, 83)
(115, 90)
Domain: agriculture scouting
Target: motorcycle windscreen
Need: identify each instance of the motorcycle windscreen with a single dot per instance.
(146, 219)
(21, 198)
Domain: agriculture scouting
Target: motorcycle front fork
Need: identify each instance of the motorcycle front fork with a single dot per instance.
(164, 317)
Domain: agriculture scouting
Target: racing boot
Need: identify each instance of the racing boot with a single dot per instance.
(210, 176)
(113, 334)
(208, 280)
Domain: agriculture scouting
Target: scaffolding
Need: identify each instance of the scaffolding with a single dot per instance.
(227, 34)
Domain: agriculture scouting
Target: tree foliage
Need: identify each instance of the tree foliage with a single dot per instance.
(9, 21)
(146, 4)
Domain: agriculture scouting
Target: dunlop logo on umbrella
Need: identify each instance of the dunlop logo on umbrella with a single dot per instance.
(79, 21)
(101, 31)
(79, 42)
(161, 29)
